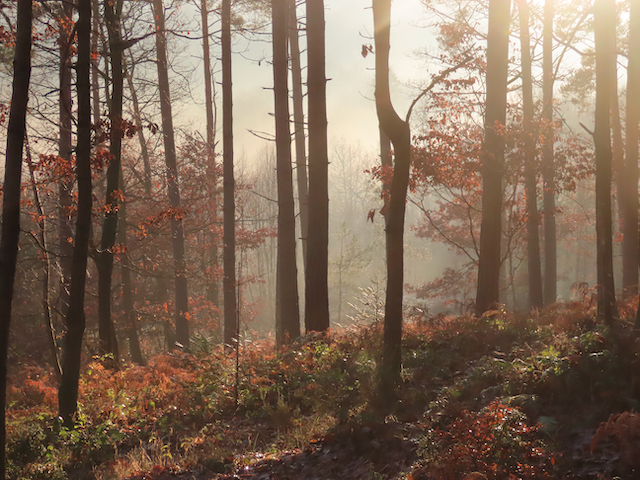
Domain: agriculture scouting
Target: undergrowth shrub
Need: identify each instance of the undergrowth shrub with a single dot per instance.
(495, 441)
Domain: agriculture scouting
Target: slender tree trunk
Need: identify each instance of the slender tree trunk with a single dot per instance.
(177, 230)
(131, 319)
(493, 156)
(68, 391)
(299, 136)
(398, 132)
(106, 328)
(144, 151)
(287, 310)
(95, 68)
(212, 283)
(11, 199)
(65, 235)
(629, 195)
(46, 265)
(604, 32)
(229, 184)
(533, 241)
(316, 277)
(548, 163)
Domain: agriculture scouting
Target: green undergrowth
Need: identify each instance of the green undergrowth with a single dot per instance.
(493, 395)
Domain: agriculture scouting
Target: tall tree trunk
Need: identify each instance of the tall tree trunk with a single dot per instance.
(398, 132)
(68, 391)
(212, 283)
(548, 163)
(229, 184)
(65, 186)
(299, 136)
(493, 156)
(533, 241)
(96, 36)
(106, 328)
(144, 151)
(46, 264)
(11, 199)
(287, 308)
(177, 230)
(131, 319)
(316, 282)
(629, 194)
(604, 26)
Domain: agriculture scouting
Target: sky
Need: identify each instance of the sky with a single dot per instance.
(350, 108)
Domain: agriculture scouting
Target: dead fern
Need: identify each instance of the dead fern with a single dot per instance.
(625, 429)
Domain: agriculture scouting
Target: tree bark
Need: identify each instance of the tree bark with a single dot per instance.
(287, 307)
(68, 390)
(604, 24)
(493, 156)
(106, 328)
(533, 240)
(229, 184)
(299, 135)
(398, 132)
(173, 188)
(629, 195)
(11, 199)
(316, 276)
(548, 163)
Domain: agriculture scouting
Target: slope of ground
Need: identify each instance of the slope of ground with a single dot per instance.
(501, 396)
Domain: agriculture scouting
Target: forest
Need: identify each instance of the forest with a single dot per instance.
(320, 239)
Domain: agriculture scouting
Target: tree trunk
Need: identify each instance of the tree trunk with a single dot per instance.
(173, 188)
(299, 136)
(316, 286)
(229, 184)
(65, 235)
(287, 308)
(604, 24)
(533, 241)
(144, 151)
(398, 132)
(96, 35)
(46, 265)
(11, 199)
(131, 319)
(629, 195)
(493, 156)
(68, 391)
(106, 328)
(548, 164)
(212, 283)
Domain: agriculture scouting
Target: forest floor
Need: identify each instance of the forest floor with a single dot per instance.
(551, 395)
